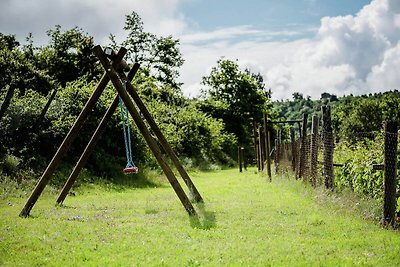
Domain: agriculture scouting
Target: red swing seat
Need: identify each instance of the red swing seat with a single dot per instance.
(129, 170)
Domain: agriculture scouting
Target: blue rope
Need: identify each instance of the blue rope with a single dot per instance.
(127, 130)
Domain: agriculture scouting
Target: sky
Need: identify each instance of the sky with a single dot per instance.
(309, 46)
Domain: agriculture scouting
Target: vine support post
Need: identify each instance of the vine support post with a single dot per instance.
(390, 172)
(303, 152)
(314, 150)
(327, 137)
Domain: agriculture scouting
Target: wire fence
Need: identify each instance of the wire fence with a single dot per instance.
(311, 158)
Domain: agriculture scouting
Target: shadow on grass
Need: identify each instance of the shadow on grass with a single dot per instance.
(205, 220)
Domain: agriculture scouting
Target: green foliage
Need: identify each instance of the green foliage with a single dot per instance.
(237, 97)
(160, 56)
(357, 172)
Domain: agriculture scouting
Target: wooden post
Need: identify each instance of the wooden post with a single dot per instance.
(144, 131)
(303, 147)
(240, 158)
(267, 146)
(256, 146)
(92, 143)
(389, 204)
(163, 141)
(260, 147)
(72, 134)
(294, 149)
(45, 109)
(314, 150)
(327, 137)
(243, 158)
(7, 100)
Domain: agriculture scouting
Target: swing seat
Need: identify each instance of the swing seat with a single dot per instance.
(129, 170)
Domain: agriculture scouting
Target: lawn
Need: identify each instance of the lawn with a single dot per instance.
(245, 221)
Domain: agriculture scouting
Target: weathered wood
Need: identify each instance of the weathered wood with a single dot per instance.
(294, 148)
(92, 143)
(45, 109)
(240, 159)
(163, 141)
(144, 131)
(303, 147)
(256, 146)
(267, 146)
(72, 134)
(327, 136)
(314, 150)
(390, 168)
(260, 147)
(7, 100)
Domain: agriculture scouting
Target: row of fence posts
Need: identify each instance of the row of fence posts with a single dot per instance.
(302, 155)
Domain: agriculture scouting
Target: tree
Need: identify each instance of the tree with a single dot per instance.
(238, 97)
(160, 56)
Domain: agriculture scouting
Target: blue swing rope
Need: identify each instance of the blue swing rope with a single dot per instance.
(127, 131)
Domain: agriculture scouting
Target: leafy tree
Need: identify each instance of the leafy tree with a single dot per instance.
(237, 97)
(160, 56)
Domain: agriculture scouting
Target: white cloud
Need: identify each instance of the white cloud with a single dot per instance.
(351, 54)
(98, 17)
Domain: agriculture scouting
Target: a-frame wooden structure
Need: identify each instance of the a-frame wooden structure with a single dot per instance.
(114, 72)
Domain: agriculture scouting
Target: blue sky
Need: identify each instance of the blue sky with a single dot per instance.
(273, 15)
(307, 46)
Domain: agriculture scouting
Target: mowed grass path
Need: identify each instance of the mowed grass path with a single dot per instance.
(245, 221)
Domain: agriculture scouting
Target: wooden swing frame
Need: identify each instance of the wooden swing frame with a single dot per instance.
(113, 73)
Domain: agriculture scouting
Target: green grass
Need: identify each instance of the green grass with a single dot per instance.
(245, 221)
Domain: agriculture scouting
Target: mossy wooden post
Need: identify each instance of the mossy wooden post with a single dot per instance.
(7, 100)
(294, 149)
(267, 146)
(144, 131)
(303, 146)
(390, 168)
(314, 150)
(327, 137)
(260, 148)
(92, 143)
(240, 159)
(72, 134)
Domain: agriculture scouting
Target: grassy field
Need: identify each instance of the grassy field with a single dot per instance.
(245, 221)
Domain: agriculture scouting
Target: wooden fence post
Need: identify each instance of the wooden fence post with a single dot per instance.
(293, 147)
(243, 158)
(389, 205)
(327, 137)
(314, 150)
(303, 147)
(267, 146)
(256, 146)
(240, 158)
(261, 147)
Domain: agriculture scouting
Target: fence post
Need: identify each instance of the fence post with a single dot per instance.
(327, 136)
(261, 147)
(389, 205)
(294, 150)
(314, 150)
(303, 146)
(243, 158)
(256, 146)
(267, 146)
(240, 159)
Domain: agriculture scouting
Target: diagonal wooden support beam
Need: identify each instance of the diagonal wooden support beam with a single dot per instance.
(163, 141)
(92, 143)
(144, 131)
(72, 134)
